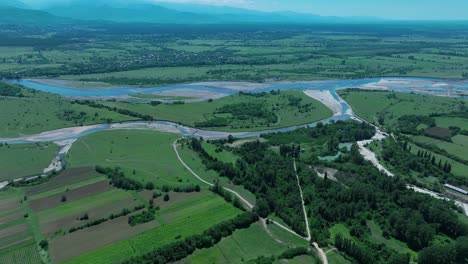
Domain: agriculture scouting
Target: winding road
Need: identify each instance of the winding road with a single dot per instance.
(340, 108)
(249, 205)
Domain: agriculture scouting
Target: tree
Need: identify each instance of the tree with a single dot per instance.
(437, 254)
(149, 186)
(44, 244)
(166, 197)
(63, 199)
(262, 208)
(461, 246)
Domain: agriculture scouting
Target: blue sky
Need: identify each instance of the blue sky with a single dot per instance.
(391, 9)
(394, 9)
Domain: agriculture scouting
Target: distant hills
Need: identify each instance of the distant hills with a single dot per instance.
(141, 11)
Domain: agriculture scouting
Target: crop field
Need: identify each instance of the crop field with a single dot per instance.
(146, 156)
(24, 253)
(452, 121)
(192, 217)
(69, 179)
(65, 247)
(83, 205)
(458, 146)
(38, 112)
(458, 168)
(17, 244)
(242, 246)
(372, 104)
(290, 107)
(23, 160)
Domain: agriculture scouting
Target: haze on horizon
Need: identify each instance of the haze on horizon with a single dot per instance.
(387, 9)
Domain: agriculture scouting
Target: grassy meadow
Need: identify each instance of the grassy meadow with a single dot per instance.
(242, 246)
(279, 104)
(21, 160)
(39, 112)
(370, 105)
(146, 156)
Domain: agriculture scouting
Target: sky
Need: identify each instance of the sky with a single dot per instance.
(390, 9)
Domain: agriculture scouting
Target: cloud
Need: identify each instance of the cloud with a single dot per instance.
(236, 3)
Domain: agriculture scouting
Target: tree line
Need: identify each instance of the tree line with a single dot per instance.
(181, 249)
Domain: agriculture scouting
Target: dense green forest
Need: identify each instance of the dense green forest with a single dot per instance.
(356, 194)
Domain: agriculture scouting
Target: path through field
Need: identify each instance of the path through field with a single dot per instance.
(174, 145)
(322, 255)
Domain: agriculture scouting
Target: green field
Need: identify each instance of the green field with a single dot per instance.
(39, 112)
(222, 155)
(193, 161)
(458, 146)
(147, 153)
(192, 113)
(452, 121)
(17, 238)
(21, 160)
(195, 218)
(458, 168)
(372, 104)
(83, 205)
(376, 237)
(24, 253)
(243, 245)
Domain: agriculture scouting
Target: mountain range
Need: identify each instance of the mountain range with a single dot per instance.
(15, 11)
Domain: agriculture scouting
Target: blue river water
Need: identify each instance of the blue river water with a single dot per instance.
(406, 84)
(436, 86)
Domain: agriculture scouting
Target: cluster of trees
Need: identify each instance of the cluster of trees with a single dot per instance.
(214, 122)
(10, 90)
(124, 212)
(448, 253)
(266, 174)
(365, 193)
(447, 167)
(72, 115)
(399, 156)
(435, 149)
(246, 111)
(181, 249)
(340, 131)
(228, 197)
(354, 250)
(408, 124)
(114, 109)
(141, 218)
(118, 179)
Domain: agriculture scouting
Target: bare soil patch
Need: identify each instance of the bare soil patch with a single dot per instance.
(72, 195)
(9, 204)
(77, 243)
(439, 132)
(11, 217)
(67, 177)
(13, 235)
(65, 223)
(174, 197)
(146, 194)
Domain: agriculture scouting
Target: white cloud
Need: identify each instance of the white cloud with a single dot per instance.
(236, 3)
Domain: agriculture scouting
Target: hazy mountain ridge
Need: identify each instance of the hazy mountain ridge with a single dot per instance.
(159, 12)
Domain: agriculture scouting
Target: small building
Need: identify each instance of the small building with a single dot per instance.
(457, 189)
